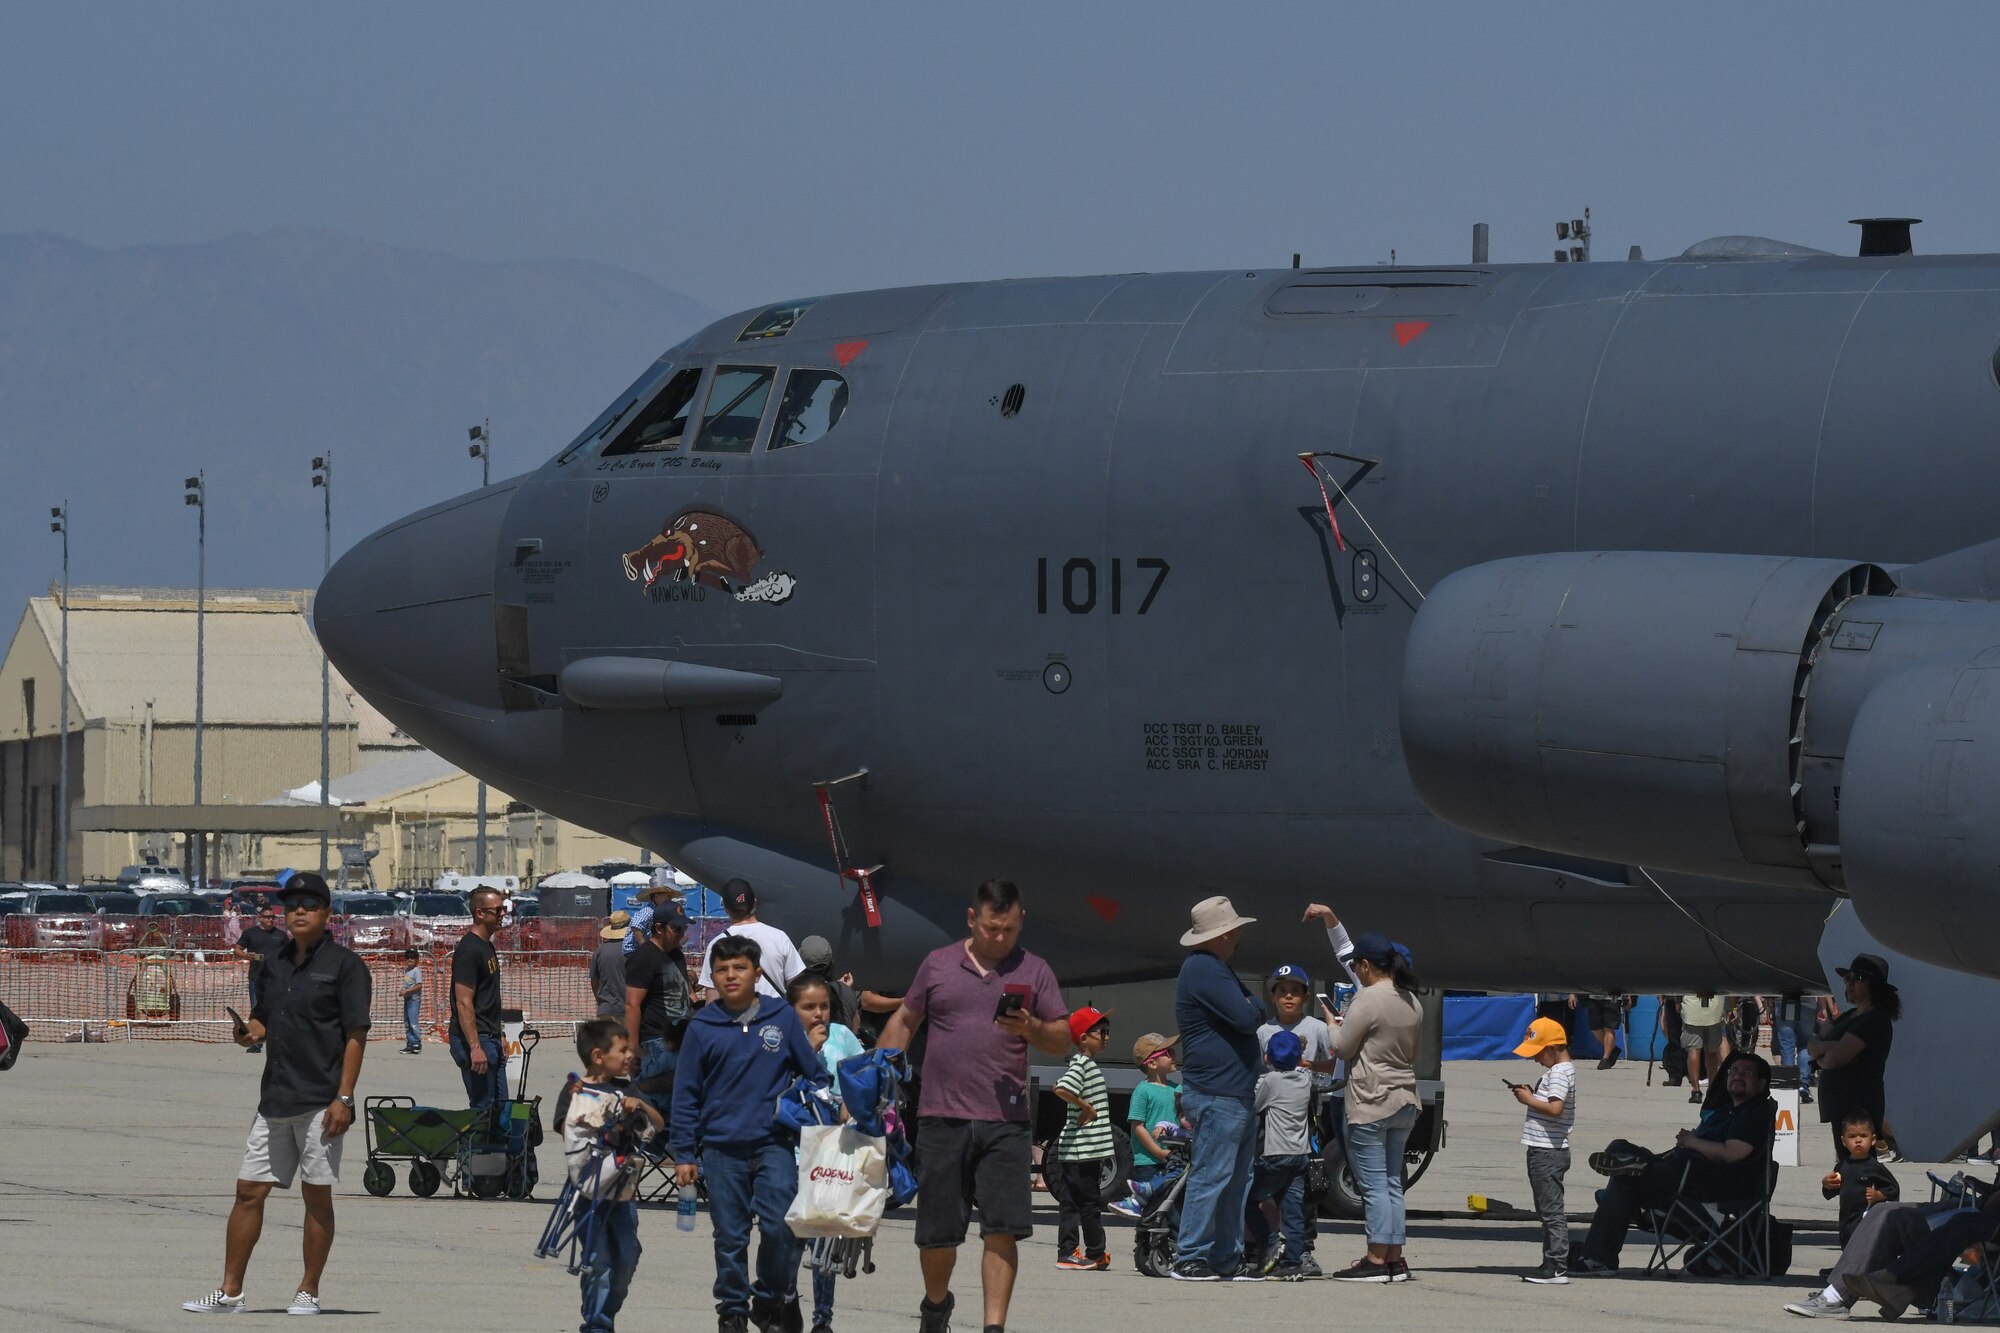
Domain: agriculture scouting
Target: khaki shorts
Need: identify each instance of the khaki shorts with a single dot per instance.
(284, 1146)
(1702, 1037)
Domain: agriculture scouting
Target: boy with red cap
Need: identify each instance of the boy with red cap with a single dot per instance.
(1085, 1145)
(1551, 1115)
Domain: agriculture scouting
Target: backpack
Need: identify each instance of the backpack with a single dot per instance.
(13, 1032)
(1675, 1062)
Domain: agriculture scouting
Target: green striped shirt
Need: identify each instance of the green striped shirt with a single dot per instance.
(1083, 1143)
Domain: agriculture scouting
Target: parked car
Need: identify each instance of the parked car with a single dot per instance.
(179, 904)
(64, 919)
(115, 902)
(151, 879)
(434, 918)
(369, 921)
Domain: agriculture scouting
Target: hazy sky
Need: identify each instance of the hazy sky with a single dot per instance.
(748, 152)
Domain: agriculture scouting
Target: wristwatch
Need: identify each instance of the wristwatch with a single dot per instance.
(346, 1101)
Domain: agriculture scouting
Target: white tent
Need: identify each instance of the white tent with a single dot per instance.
(571, 879)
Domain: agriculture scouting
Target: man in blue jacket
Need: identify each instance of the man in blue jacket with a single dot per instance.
(738, 1055)
(1220, 1060)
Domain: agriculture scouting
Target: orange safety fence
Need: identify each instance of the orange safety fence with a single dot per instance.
(185, 994)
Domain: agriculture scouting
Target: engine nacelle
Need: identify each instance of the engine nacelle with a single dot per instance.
(1630, 706)
(1779, 720)
(1918, 823)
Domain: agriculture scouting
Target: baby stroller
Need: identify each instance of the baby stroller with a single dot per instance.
(1160, 1215)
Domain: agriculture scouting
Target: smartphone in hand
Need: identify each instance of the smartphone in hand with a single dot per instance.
(1013, 1000)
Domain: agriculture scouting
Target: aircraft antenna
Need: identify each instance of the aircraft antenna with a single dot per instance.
(1322, 476)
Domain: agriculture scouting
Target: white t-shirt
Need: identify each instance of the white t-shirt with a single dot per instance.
(1315, 1043)
(779, 961)
(1540, 1131)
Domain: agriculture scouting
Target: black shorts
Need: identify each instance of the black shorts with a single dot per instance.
(965, 1162)
(1603, 1017)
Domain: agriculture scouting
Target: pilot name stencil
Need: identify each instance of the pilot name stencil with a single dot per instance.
(1205, 747)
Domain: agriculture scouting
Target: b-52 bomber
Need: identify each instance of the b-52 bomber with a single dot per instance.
(1584, 626)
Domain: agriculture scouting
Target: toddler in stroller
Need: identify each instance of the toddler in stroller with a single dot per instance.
(1160, 1204)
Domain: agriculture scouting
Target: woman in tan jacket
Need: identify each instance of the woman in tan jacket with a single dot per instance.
(1379, 1039)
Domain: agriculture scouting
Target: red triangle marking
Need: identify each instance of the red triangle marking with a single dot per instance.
(1407, 332)
(847, 351)
(1104, 907)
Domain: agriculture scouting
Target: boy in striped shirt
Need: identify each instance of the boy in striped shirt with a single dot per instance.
(1085, 1146)
(1551, 1115)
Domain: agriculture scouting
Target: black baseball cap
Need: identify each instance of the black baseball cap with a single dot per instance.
(669, 917)
(304, 883)
(738, 898)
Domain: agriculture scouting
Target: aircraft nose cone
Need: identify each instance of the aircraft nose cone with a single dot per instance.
(407, 614)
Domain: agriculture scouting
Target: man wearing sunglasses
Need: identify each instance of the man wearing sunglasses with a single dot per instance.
(475, 1004)
(312, 1016)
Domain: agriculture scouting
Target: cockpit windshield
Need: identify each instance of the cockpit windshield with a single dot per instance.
(659, 426)
(620, 407)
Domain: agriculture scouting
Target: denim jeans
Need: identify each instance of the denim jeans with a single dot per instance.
(1218, 1179)
(1375, 1151)
(480, 1089)
(412, 1005)
(823, 1295)
(1790, 1038)
(1283, 1181)
(742, 1182)
(614, 1256)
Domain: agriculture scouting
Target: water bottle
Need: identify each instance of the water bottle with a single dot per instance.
(1946, 1309)
(684, 1213)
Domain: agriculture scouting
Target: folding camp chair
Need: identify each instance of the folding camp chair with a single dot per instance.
(1726, 1238)
(1975, 1292)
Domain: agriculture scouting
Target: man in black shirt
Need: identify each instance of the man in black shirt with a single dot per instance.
(251, 946)
(1722, 1159)
(312, 1010)
(658, 998)
(475, 1004)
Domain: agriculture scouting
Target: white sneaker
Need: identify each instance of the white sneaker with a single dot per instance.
(1817, 1306)
(214, 1303)
(304, 1303)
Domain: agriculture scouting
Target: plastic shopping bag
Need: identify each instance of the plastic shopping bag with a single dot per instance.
(843, 1182)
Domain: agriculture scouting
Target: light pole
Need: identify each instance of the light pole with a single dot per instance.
(322, 479)
(482, 449)
(195, 492)
(60, 515)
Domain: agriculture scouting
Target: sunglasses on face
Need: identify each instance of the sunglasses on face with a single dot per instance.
(301, 904)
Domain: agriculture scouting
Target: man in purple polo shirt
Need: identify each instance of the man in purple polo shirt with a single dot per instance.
(987, 1000)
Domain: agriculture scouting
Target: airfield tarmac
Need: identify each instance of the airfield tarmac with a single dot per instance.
(116, 1164)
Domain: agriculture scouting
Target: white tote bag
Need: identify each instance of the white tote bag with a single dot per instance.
(843, 1182)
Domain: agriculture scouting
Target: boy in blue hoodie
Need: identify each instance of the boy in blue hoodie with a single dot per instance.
(737, 1056)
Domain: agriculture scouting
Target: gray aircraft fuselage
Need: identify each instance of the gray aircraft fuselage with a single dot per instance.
(1094, 633)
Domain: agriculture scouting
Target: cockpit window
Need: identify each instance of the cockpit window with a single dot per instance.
(622, 404)
(811, 406)
(774, 322)
(735, 407)
(661, 425)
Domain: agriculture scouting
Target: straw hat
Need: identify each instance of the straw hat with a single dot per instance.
(655, 891)
(616, 926)
(1212, 917)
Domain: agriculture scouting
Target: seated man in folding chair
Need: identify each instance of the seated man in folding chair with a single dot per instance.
(1721, 1160)
(1901, 1252)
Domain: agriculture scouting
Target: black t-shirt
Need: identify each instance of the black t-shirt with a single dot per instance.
(307, 1010)
(664, 978)
(1748, 1123)
(474, 963)
(1857, 1085)
(257, 941)
(1855, 1178)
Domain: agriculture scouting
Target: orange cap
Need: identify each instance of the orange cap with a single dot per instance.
(1542, 1034)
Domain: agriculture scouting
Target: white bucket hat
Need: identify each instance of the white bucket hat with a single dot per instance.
(1213, 917)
